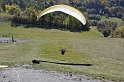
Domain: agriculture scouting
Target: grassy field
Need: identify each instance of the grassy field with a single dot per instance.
(87, 52)
(5, 15)
(112, 19)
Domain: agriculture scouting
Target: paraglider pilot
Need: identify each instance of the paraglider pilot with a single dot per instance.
(62, 51)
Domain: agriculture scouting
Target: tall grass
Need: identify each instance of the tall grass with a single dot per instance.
(87, 52)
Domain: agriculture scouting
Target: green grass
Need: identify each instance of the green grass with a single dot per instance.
(6, 15)
(112, 19)
(105, 54)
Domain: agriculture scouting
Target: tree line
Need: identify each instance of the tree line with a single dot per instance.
(27, 10)
(28, 16)
(109, 8)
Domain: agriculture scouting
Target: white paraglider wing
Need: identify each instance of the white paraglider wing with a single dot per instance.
(66, 9)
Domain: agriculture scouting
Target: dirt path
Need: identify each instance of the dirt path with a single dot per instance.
(8, 39)
(22, 74)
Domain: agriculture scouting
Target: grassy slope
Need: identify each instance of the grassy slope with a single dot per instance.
(6, 15)
(111, 19)
(105, 54)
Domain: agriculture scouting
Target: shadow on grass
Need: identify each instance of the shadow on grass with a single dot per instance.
(73, 64)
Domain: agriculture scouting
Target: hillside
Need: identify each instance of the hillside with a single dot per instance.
(109, 8)
(87, 52)
(107, 15)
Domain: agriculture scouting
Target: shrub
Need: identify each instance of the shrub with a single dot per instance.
(12, 9)
(119, 32)
(94, 23)
(106, 27)
(123, 18)
(1, 9)
(95, 17)
(106, 32)
(119, 15)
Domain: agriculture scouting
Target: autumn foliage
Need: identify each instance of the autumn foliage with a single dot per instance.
(119, 32)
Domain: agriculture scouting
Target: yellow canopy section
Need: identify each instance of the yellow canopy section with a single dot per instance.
(65, 9)
(3, 66)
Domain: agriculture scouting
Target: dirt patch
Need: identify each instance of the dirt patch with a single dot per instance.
(27, 74)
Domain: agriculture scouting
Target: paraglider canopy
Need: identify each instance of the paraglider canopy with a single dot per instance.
(66, 9)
